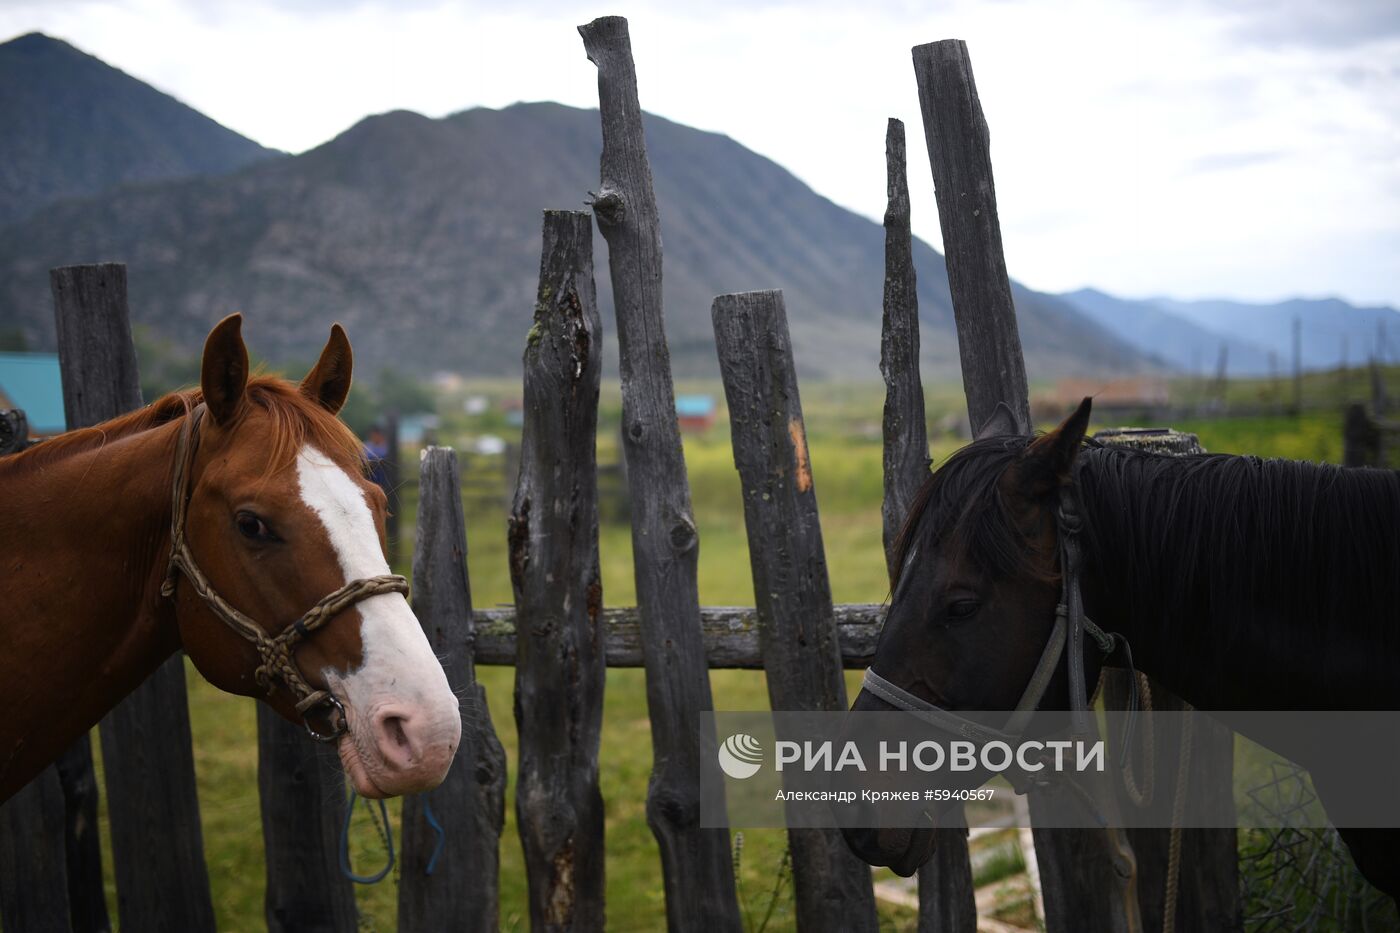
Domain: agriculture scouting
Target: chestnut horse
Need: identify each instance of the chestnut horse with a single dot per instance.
(216, 521)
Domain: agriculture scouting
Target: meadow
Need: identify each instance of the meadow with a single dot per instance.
(844, 438)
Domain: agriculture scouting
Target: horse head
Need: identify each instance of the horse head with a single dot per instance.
(279, 514)
(974, 595)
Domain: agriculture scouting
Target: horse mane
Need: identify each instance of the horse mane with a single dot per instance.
(294, 420)
(1300, 557)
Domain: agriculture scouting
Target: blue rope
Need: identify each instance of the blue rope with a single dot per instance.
(441, 835)
(388, 836)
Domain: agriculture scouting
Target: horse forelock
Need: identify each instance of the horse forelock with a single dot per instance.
(963, 507)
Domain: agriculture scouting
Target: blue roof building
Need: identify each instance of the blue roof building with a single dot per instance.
(31, 382)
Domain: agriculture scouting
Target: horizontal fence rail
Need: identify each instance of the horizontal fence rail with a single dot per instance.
(729, 633)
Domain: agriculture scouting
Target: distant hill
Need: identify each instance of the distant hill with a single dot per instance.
(1176, 341)
(422, 236)
(1327, 324)
(73, 126)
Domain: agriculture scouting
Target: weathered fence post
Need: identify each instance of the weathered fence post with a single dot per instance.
(792, 592)
(1361, 439)
(560, 665)
(946, 901)
(393, 473)
(14, 431)
(959, 148)
(1088, 876)
(146, 745)
(696, 863)
(463, 889)
(34, 880)
(302, 790)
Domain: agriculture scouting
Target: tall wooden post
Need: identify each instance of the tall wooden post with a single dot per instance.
(157, 840)
(792, 593)
(560, 668)
(34, 881)
(946, 901)
(302, 789)
(696, 863)
(463, 889)
(1088, 876)
(959, 147)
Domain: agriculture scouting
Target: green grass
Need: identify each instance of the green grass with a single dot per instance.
(843, 431)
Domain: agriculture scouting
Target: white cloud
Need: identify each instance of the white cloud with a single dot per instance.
(1186, 148)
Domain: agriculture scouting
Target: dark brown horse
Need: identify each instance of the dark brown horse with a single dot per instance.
(267, 490)
(1241, 584)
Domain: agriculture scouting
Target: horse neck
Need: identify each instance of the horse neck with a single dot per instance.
(1245, 584)
(82, 557)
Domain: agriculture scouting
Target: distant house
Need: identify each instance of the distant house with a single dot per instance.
(31, 383)
(1132, 397)
(695, 412)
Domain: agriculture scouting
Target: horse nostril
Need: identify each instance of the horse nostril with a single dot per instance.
(392, 736)
(393, 728)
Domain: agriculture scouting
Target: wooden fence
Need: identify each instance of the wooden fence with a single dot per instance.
(560, 637)
(1369, 438)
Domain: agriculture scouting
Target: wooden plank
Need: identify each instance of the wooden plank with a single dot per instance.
(302, 790)
(157, 840)
(945, 882)
(393, 469)
(1362, 443)
(560, 668)
(796, 624)
(729, 636)
(1088, 878)
(906, 459)
(463, 889)
(989, 344)
(697, 871)
(34, 880)
(87, 901)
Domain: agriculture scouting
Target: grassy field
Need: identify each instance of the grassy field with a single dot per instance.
(843, 430)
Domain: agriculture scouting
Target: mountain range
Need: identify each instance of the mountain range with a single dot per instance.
(422, 236)
(72, 126)
(1257, 339)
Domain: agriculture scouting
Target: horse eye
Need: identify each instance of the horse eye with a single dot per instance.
(253, 528)
(963, 608)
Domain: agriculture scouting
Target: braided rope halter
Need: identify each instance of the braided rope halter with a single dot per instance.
(276, 652)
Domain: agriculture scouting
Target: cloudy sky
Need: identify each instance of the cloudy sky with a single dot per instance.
(1199, 148)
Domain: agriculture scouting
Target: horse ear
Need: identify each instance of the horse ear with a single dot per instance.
(1051, 455)
(1001, 423)
(329, 381)
(223, 375)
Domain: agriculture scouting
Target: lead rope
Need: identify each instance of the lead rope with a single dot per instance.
(1141, 794)
(386, 835)
(1183, 774)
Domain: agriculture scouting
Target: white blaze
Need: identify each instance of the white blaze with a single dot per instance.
(399, 666)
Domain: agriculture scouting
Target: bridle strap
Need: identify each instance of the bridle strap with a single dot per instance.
(275, 652)
(1066, 637)
(1069, 525)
